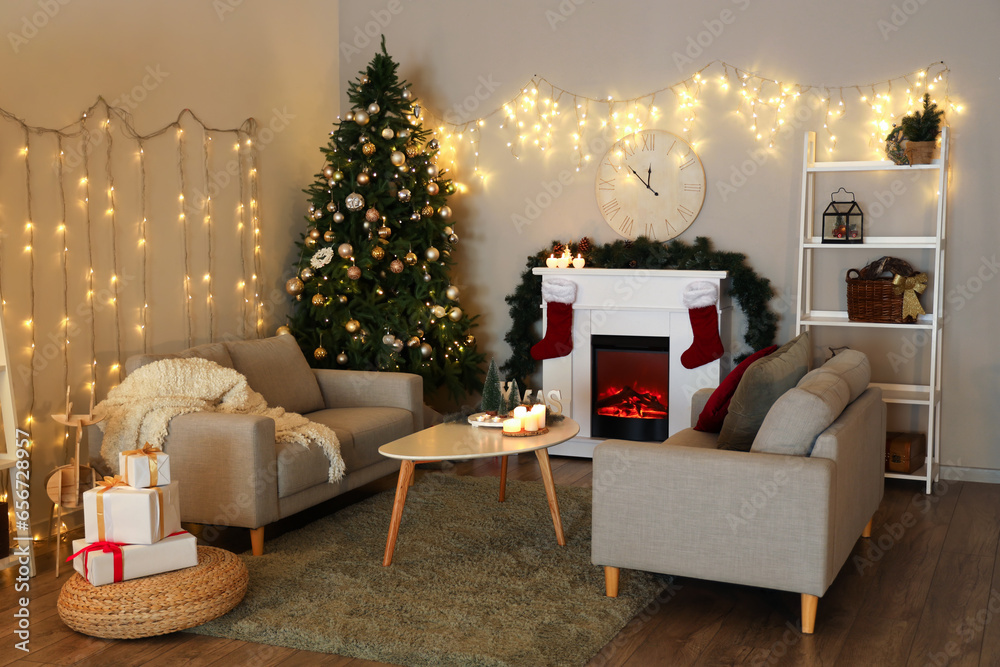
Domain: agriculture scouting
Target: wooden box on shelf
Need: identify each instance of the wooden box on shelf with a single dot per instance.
(904, 452)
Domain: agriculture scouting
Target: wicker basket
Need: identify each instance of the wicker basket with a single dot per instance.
(870, 296)
(157, 604)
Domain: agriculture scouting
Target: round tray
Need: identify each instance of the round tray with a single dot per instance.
(157, 604)
(526, 434)
(473, 419)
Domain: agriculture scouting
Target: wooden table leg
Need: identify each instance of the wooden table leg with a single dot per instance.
(402, 486)
(503, 477)
(550, 493)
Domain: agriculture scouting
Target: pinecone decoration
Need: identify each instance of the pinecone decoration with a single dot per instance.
(557, 249)
(633, 264)
(628, 243)
(583, 247)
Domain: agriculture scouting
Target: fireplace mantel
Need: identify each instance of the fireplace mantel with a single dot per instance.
(631, 302)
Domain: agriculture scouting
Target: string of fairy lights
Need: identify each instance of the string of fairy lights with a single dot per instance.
(78, 235)
(533, 118)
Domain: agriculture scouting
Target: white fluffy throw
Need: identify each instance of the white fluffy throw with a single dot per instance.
(137, 411)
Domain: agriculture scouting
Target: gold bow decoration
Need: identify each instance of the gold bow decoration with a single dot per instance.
(910, 288)
(150, 452)
(111, 482)
(106, 484)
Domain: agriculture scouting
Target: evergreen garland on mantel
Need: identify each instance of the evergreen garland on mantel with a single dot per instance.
(749, 291)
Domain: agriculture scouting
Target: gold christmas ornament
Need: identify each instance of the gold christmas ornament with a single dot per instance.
(432, 145)
(470, 340)
(294, 286)
(361, 117)
(455, 314)
(410, 258)
(352, 326)
(320, 353)
(451, 293)
(331, 207)
(345, 250)
(311, 243)
(338, 217)
(341, 298)
(444, 212)
(438, 311)
(432, 170)
(453, 238)
(342, 359)
(411, 150)
(427, 211)
(406, 94)
(374, 108)
(387, 133)
(354, 202)
(403, 195)
(368, 149)
(396, 266)
(426, 351)
(353, 272)
(397, 158)
(306, 274)
(363, 178)
(432, 254)
(338, 176)
(318, 300)
(378, 252)
(328, 171)
(329, 236)
(364, 79)
(283, 331)
(432, 189)
(384, 232)
(372, 215)
(314, 233)
(413, 342)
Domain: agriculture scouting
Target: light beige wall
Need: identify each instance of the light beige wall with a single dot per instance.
(468, 58)
(226, 60)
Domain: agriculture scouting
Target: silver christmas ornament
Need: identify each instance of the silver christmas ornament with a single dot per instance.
(453, 238)
(345, 250)
(432, 188)
(374, 108)
(427, 277)
(444, 212)
(398, 158)
(397, 345)
(406, 94)
(438, 311)
(388, 339)
(432, 254)
(432, 170)
(404, 133)
(361, 117)
(452, 293)
(455, 314)
(426, 351)
(403, 195)
(387, 133)
(338, 217)
(433, 145)
(342, 359)
(354, 202)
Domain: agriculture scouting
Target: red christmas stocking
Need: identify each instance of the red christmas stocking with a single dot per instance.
(700, 297)
(559, 296)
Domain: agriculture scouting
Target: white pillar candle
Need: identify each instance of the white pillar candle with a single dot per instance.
(539, 411)
(551, 261)
(512, 425)
(530, 421)
(579, 262)
(520, 411)
(562, 262)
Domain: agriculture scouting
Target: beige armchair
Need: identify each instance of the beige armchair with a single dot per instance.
(231, 470)
(786, 521)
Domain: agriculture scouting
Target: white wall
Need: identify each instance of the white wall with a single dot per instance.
(226, 61)
(449, 48)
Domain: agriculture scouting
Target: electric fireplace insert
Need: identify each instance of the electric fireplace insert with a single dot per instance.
(629, 387)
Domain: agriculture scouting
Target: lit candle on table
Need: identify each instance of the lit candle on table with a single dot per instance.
(539, 411)
(530, 421)
(520, 411)
(512, 425)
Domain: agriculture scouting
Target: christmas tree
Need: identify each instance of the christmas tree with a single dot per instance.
(372, 288)
(492, 396)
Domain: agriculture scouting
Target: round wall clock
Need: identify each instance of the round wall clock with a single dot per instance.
(651, 183)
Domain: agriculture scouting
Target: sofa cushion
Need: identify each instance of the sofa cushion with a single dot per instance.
(277, 369)
(763, 382)
(854, 367)
(714, 412)
(801, 414)
(216, 352)
(689, 437)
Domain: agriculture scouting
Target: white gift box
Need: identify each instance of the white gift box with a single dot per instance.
(135, 560)
(131, 516)
(143, 470)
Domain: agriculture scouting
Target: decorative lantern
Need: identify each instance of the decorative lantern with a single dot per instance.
(843, 221)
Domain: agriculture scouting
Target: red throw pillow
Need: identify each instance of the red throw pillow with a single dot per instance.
(711, 417)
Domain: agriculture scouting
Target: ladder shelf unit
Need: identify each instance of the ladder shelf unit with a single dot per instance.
(923, 396)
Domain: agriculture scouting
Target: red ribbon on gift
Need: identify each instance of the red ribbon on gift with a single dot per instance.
(113, 548)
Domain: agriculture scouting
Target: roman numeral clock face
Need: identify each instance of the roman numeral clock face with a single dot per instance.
(652, 184)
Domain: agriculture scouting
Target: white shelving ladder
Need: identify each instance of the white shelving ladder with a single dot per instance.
(19, 477)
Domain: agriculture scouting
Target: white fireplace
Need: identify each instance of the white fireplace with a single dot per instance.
(631, 302)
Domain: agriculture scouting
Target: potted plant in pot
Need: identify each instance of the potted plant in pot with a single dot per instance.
(920, 129)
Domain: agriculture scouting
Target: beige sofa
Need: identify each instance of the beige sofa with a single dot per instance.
(784, 515)
(231, 471)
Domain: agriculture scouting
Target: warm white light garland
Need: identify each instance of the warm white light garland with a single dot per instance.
(530, 118)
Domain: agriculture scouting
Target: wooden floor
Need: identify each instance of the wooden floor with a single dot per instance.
(922, 592)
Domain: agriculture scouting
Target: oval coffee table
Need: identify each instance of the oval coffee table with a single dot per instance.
(460, 441)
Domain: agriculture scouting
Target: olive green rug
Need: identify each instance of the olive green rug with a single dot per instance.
(472, 582)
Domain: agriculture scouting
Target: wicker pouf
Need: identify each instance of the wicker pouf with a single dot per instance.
(158, 604)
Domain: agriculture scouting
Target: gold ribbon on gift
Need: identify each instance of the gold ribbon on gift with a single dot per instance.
(910, 288)
(106, 484)
(150, 452)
